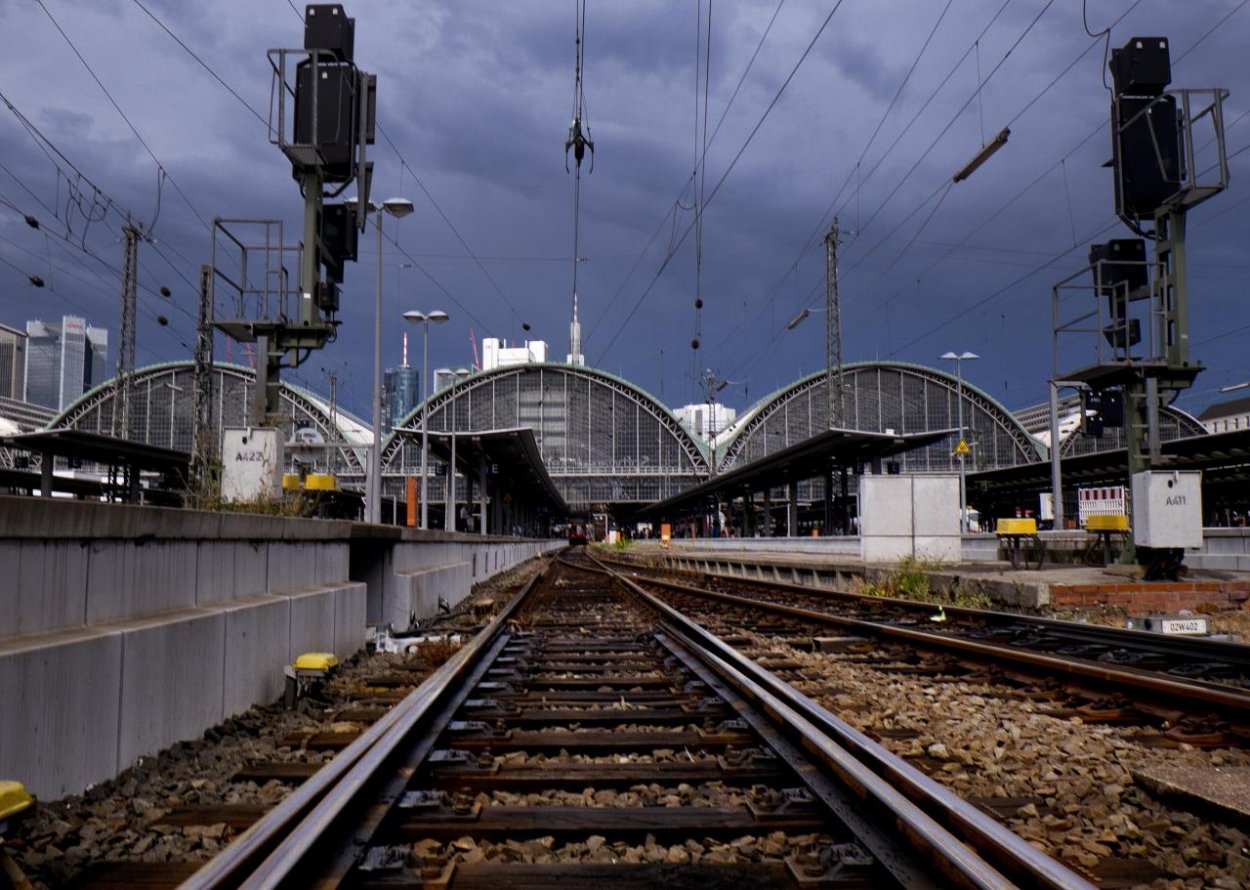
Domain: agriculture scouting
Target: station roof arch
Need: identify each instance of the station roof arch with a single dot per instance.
(888, 398)
(602, 440)
(161, 410)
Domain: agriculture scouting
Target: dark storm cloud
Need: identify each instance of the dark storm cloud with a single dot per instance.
(477, 97)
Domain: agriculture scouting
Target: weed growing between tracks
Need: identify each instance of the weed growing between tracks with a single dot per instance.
(910, 581)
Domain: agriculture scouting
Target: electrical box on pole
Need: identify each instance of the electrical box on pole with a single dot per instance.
(1168, 155)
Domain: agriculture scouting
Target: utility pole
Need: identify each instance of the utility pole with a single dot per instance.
(126, 333)
(836, 408)
(202, 382)
(332, 457)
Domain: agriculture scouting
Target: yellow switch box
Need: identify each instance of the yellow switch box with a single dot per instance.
(1107, 523)
(1016, 526)
(14, 798)
(316, 661)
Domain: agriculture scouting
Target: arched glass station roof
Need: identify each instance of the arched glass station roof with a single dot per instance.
(885, 397)
(161, 412)
(602, 439)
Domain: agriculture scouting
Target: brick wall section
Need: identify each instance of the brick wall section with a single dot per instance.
(1150, 597)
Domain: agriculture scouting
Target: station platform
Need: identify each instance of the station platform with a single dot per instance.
(1054, 587)
(1223, 791)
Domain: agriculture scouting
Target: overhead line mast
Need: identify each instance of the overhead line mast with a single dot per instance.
(579, 140)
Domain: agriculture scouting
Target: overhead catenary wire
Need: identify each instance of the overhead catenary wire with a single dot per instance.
(139, 136)
(404, 165)
(671, 213)
(700, 171)
(817, 234)
(178, 40)
(578, 141)
(728, 170)
(813, 291)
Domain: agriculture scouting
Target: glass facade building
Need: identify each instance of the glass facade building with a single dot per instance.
(63, 360)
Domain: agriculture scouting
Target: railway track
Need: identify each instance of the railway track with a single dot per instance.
(593, 735)
(1198, 689)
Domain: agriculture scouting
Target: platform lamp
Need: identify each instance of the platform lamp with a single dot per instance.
(424, 319)
(398, 208)
(959, 359)
(449, 521)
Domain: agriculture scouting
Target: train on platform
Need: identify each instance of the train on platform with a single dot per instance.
(583, 528)
(578, 535)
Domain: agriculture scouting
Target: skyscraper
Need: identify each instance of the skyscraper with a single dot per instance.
(64, 360)
(12, 363)
(401, 391)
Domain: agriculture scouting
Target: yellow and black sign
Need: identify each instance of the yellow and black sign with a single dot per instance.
(962, 448)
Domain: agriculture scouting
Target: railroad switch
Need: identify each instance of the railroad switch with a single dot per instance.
(306, 672)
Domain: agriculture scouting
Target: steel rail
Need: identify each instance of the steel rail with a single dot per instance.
(1236, 654)
(271, 849)
(1183, 692)
(841, 783)
(924, 809)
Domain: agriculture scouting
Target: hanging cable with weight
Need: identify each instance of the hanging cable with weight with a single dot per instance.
(578, 141)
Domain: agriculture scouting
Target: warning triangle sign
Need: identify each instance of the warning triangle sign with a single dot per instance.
(962, 448)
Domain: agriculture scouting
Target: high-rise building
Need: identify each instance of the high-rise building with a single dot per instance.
(12, 363)
(706, 420)
(401, 391)
(64, 360)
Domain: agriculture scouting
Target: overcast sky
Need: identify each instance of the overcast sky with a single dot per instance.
(476, 98)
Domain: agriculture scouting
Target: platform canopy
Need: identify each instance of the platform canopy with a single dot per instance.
(511, 458)
(808, 459)
(1224, 454)
(81, 447)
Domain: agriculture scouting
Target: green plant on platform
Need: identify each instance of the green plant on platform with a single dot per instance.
(881, 588)
(970, 598)
(205, 494)
(911, 579)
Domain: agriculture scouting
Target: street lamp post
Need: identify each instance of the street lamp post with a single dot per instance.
(959, 359)
(424, 319)
(398, 208)
(449, 521)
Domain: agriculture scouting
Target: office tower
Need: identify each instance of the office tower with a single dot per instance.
(12, 363)
(64, 360)
(401, 391)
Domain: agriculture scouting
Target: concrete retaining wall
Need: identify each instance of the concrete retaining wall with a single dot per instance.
(125, 629)
(1226, 549)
